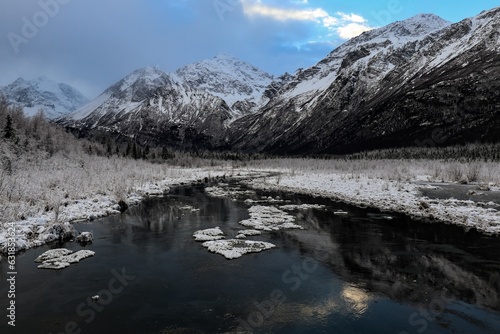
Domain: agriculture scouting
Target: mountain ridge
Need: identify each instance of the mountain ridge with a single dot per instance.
(247, 83)
(392, 86)
(364, 74)
(172, 112)
(55, 99)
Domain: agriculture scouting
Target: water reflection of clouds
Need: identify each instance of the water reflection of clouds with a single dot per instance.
(356, 300)
(400, 266)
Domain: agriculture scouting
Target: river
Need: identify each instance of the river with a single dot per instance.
(361, 271)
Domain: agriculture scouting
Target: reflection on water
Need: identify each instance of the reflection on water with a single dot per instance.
(356, 299)
(359, 273)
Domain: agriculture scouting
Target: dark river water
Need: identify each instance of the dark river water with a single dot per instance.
(354, 273)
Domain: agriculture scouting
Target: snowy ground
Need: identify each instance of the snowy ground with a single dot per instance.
(368, 190)
(212, 239)
(236, 248)
(61, 258)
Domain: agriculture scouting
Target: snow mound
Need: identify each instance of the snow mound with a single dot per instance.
(246, 233)
(52, 254)
(269, 218)
(210, 234)
(36, 232)
(85, 237)
(61, 258)
(234, 248)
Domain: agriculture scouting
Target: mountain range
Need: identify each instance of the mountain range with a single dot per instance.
(418, 82)
(191, 108)
(55, 99)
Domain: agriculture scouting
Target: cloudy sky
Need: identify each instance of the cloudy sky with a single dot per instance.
(91, 44)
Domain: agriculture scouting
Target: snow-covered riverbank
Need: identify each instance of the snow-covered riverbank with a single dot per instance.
(55, 224)
(46, 209)
(388, 195)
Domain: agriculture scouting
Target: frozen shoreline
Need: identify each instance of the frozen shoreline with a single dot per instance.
(51, 226)
(388, 196)
(361, 190)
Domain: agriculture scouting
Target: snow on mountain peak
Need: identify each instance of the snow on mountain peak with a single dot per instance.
(54, 98)
(487, 15)
(366, 51)
(226, 57)
(425, 23)
(223, 80)
(146, 77)
(410, 29)
(239, 83)
(145, 73)
(148, 72)
(389, 86)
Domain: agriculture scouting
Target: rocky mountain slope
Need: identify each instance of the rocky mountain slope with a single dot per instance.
(154, 108)
(418, 82)
(238, 83)
(422, 81)
(56, 99)
(191, 108)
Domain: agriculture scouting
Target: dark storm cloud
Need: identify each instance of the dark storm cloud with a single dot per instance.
(93, 43)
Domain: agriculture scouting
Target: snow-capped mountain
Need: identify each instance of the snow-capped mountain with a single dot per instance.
(56, 99)
(421, 81)
(238, 83)
(368, 50)
(393, 86)
(154, 108)
(192, 105)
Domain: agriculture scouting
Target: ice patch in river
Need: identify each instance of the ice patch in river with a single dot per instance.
(228, 192)
(293, 207)
(246, 233)
(209, 234)
(234, 248)
(61, 258)
(340, 213)
(265, 199)
(189, 208)
(269, 218)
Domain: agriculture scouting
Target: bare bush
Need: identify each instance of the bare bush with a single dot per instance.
(473, 171)
(455, 172)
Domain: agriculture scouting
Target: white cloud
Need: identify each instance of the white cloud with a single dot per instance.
(251, 8)
(352, 30)
(331, 22)
(345, 25)
(351, 17)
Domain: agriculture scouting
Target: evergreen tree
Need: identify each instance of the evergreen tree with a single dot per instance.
(9, 129)
(145, 153)
(165, 154)
(135, 152)
(127, 151)
(109, 149)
